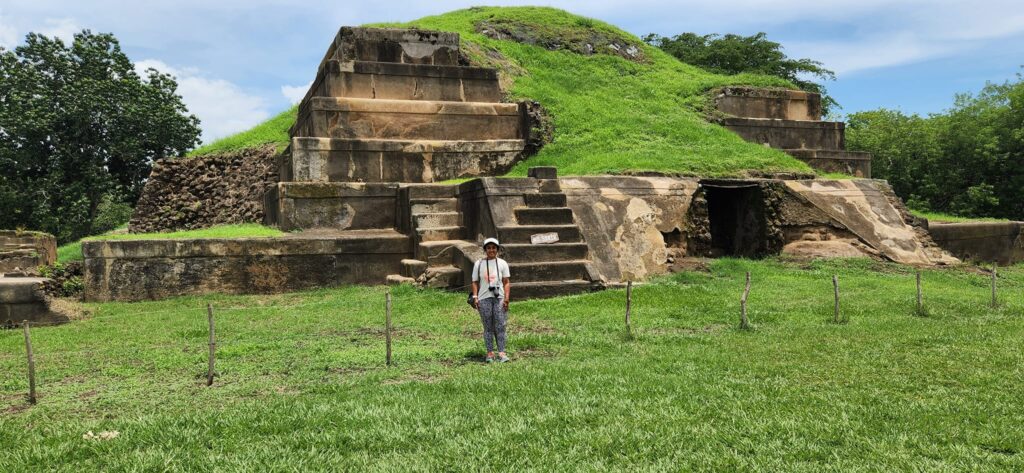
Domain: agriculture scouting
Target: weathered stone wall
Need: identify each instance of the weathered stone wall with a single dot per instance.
(632, 225)
(25, 299)
(199, 192)
(992, 242)
(26, 250)
(332, 205)
(135, 270)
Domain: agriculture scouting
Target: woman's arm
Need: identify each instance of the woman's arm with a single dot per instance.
(508, 291)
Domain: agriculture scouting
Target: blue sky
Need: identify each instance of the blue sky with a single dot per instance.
(239, 62)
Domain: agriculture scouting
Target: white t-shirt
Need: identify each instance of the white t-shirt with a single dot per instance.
(488, 272)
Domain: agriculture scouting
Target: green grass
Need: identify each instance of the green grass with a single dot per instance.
(73, 251)
(611, 115)
(302, 385)
(947, 218)
(274, 130)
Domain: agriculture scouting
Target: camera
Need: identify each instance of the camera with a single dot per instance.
(495, 290)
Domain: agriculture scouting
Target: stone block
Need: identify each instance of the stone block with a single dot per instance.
(340, 160)
(354, 118)
(339, 206)
(753, 102)
(156, 269)
(789, 134)
(543, 172)
(991, 242)
(26, 250)
(390, 81)
(854, 163)
(406, 46)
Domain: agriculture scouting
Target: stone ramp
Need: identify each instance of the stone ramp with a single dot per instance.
(865, 207)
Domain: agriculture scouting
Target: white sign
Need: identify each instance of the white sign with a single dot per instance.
(544, 238)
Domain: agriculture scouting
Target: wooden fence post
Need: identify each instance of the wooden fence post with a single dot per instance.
(995, 300)
(629, 304)
(387, 324)
(920, 306)
(835, 287)
(213, 345)
(744, 323)
(31, 365)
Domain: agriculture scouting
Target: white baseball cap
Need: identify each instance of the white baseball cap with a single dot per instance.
(491, 240)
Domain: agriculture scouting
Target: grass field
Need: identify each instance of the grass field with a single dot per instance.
(611, 115)
(302, 384)
(73, 251)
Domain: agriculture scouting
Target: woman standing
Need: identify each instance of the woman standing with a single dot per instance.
(490, 296)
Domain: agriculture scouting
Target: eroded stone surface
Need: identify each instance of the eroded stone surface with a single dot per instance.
(132, 270)
(998, 242)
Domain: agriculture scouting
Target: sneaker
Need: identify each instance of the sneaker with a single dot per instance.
(489, 359)
(504, 359)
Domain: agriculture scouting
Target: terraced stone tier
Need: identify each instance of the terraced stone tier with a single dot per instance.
(789, 134)
(391, 81)
(854, 163)
(406, 46)
(356, 118)
(132, 270)
(332, 205)
(341, 160)
(754, 102)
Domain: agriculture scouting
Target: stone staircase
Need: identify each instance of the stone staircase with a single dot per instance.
(546, 269)
(436, 226)
(790, 120)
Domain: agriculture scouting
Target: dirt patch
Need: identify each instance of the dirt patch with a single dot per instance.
(581, 40)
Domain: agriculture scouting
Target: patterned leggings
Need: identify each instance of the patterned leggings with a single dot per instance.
(494, 318)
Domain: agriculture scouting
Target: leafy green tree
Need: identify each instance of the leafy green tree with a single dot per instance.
(735, 54)
(79, 127)
(967, 161)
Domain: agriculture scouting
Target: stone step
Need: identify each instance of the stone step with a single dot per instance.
(549, 252)
(854, 163)
(435, 220)
(549, 186)
(544, 216)
(788, 134)
(438, 252)
(545, 289)
(396, 279)
(522, 233)
(440, 233)
(356, 118)
(432, 191)
(443, 277)
(423, 206)
(406, 46)
(413, 268)
(408, 161)
(544, 200)
(394, 81)
(548, 271)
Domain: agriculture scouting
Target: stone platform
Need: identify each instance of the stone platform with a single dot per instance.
(131, 270)
(22, 299)
(790, 120)
(989, 242)
(26, 250)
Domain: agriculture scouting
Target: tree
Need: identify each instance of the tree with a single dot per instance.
(79, 127)
(967, 161)
(735, 54)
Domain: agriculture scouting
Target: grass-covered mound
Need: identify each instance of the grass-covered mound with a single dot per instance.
(611, 114)
(302, 383)
(73, 251)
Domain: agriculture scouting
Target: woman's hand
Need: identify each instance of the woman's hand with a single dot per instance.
(476, 303)
(504, 304)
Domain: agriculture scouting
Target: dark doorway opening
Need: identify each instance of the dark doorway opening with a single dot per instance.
(736, 215)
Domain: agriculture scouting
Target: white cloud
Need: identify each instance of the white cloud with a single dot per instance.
(294, 94)
(222, 107)
(8, 34)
